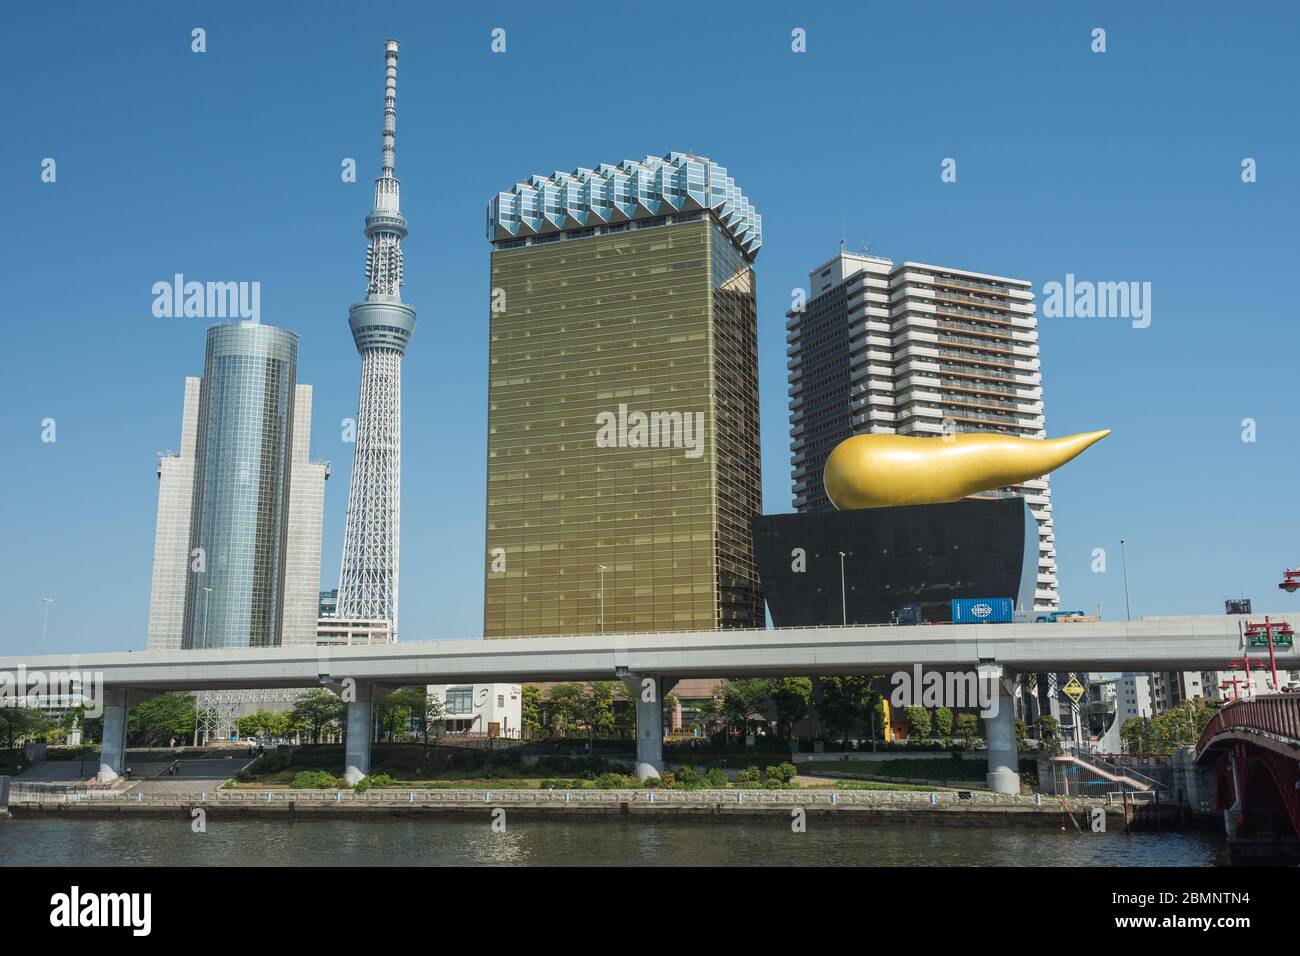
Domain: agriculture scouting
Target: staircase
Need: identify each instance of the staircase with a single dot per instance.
(1093, 770)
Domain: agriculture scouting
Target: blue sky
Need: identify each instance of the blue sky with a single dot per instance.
(1118, 166)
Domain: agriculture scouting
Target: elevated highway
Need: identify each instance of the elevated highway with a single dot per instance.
(1157, 643)
(651, 663)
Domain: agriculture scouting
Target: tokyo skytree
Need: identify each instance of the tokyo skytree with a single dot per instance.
(381, 327)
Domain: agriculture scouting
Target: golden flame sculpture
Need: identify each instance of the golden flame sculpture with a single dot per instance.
(884, 471)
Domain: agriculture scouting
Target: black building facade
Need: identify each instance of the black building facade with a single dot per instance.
(923, 554)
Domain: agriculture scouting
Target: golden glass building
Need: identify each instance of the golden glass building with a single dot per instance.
(623, 448)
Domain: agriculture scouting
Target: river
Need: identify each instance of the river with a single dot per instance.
(241, 842)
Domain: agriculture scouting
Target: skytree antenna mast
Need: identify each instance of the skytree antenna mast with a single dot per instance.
(381, 327)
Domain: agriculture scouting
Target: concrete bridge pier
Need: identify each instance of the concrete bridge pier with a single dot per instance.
(356, 760)
(113, 751)
(647, 694)
(1004, 758)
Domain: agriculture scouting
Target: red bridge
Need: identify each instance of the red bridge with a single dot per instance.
(1253, 748)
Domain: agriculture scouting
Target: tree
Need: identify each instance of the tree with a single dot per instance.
(1049, 733)
(792, 697)
(595, 709)
(279, 724)
(844, 702)
(1022, 735)
(420, 711)
(943, 724)
(918, 722)
(19, 723)
(741, 700)
(968, 729)
(589, 708)
(1136, 735)
(161, 718)
(392, 713)
(318, 712)
(530, 710)
(711, 710)
(1179, 726)
(563, 699)
(256, 725)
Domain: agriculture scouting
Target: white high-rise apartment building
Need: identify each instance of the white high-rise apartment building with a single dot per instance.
(306, 526)
(915, 349)
(171, 546)
(1171, 688)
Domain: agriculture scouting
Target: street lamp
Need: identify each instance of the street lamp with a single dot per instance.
(45, 621)
(844, 608)
(601, 569)
(207, 599)
(1123, 553)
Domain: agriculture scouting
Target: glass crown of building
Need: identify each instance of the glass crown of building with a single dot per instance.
(609, 195)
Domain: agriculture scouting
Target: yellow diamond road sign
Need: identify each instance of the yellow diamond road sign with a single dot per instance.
(1074, 690)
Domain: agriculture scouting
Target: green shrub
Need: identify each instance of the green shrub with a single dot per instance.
(689, 778)
(751, 775)
(783, 773)
(314, 780)
(968, 728)
(918, 722)
(717, 778)
(377, 781)
(614, 781)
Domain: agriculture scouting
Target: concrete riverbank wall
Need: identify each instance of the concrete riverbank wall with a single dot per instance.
(931, 809)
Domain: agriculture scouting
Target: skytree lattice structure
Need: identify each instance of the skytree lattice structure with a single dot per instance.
(381, 327)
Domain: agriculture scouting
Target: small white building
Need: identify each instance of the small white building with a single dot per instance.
(1219, 685)
(342, 632)
(483, 710)
(1133, 697)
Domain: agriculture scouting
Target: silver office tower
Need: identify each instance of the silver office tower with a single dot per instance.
(237, 551)
(381, 327)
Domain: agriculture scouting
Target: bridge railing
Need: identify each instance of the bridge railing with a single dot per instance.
(1276, 714)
